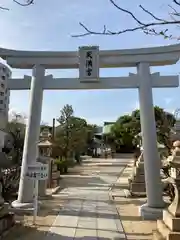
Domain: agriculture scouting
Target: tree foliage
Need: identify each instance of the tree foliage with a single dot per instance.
(158, 26)
(73, 133)
(127, 127)
(14, 144)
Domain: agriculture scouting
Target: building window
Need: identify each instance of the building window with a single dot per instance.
(2, 85)
(4, 69)
(1, 93)
(3, 77)
(5, 106)
(1, 101)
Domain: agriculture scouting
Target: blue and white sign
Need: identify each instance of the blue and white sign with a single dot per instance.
(37, 171)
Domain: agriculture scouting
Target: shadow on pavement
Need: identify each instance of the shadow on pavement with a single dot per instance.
(135, 202)
(76, 181)
(90, 214)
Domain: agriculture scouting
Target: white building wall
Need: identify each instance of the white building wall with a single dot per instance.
(5, 73)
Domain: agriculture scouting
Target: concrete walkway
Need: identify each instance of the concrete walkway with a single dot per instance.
(89, 213)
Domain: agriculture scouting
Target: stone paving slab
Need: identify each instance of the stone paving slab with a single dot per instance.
(93, 217)
(90, 213)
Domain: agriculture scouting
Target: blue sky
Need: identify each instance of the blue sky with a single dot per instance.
(49, 24)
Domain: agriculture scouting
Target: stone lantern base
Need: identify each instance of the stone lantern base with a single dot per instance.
(168, 228)
(137, 179)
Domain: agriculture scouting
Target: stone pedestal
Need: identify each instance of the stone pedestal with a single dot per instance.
(149, 213)
(169, 227)
(55, 176)
(137, 179)
(43, 183)
(7, 219)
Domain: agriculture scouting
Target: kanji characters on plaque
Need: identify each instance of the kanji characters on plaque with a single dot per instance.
(88, 63)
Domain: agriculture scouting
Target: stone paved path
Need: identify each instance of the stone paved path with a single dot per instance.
(89, 213)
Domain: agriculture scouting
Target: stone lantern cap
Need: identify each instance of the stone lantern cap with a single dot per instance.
(45, 143)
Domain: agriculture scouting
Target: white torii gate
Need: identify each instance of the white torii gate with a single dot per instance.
(89, 79)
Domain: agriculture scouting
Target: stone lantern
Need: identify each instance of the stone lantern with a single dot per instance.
(137, 185)
(45, 143)
(169, 227)
(45, 147)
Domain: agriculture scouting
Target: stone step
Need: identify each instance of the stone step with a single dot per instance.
(138, 178)
(138, 187)
(171, 222)
(162, 228)
(157, 236)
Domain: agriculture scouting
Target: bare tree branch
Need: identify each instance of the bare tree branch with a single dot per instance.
(28, 2)
(151, 14)
(175, 12)
(25, 4)
(147, 28)
(126, 11)
(176, 2)
(4, 8)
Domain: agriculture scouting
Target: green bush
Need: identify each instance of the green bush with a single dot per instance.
(63, 165)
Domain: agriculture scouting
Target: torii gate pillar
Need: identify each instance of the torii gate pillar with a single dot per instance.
(152, 163)
(25, 193)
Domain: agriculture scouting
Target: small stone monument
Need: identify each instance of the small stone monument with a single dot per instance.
(169, 227)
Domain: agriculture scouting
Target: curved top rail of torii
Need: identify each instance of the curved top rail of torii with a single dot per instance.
(155, 56)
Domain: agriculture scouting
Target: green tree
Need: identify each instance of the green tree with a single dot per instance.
(164, 123)
(128, 126)
(91, 131)
(79, 134)
(73, 132)
(16, 129)
(63, 135)
(122, 133)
